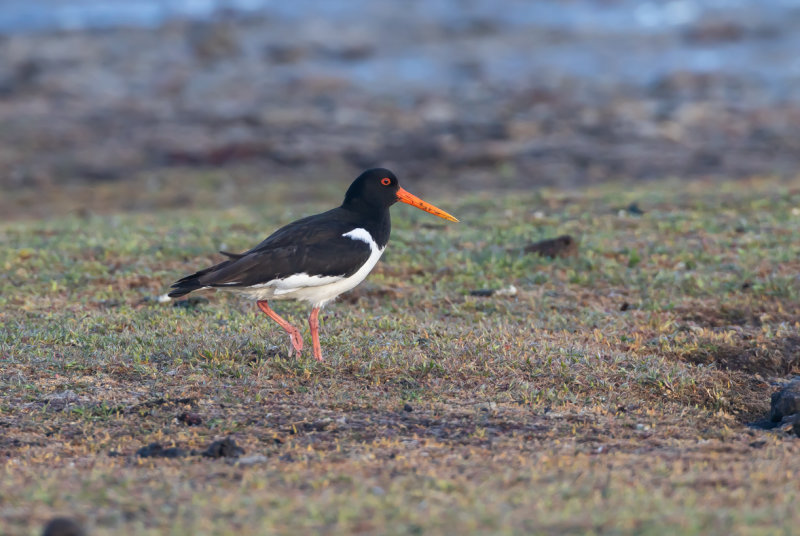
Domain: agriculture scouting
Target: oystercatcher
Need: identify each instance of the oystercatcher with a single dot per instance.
(314, 259)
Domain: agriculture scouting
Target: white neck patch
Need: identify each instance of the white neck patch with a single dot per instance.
(359, 233)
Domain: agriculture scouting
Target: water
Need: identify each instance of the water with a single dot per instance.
(606, 41)
(597, 15)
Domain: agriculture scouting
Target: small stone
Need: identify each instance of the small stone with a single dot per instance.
(634, 209)
(510, 290)
(63, 526)
(190, 419)
(157, 450)
(786, 402)
(482, 292)
(223, 448)
(562, 246)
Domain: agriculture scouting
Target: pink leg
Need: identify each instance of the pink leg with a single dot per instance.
(313, 323)
(294, 334)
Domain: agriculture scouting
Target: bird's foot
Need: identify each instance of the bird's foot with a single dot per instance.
(318, 351)
(296, 341)
(313, 323)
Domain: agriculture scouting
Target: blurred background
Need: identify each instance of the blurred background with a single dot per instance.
(144, 104)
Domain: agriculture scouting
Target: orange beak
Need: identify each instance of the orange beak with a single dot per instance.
(415, 201)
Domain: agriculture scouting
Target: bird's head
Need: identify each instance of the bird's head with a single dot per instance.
(378, 188)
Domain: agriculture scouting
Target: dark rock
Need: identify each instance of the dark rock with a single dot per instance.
(634, 209)
(407, 407)
(190, 419)
(786, 402)
(223, 448)
(63, 526)
(482, 292)
(157, 450)
(562, 246)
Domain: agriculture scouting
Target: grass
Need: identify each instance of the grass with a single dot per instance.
(612, 394)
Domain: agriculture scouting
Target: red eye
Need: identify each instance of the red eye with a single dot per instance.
(386, 181)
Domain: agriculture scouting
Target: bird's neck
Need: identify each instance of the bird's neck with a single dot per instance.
(375, 220)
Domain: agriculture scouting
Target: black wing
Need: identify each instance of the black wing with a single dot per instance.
(312, 245)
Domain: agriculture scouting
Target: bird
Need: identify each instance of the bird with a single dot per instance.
(316, 258)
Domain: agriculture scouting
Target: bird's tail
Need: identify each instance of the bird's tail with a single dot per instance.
(184, 286)
(190, 283)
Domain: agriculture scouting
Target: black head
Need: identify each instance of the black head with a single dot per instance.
(375, 188)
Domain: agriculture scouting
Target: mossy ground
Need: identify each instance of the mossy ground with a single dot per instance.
(611, 394)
